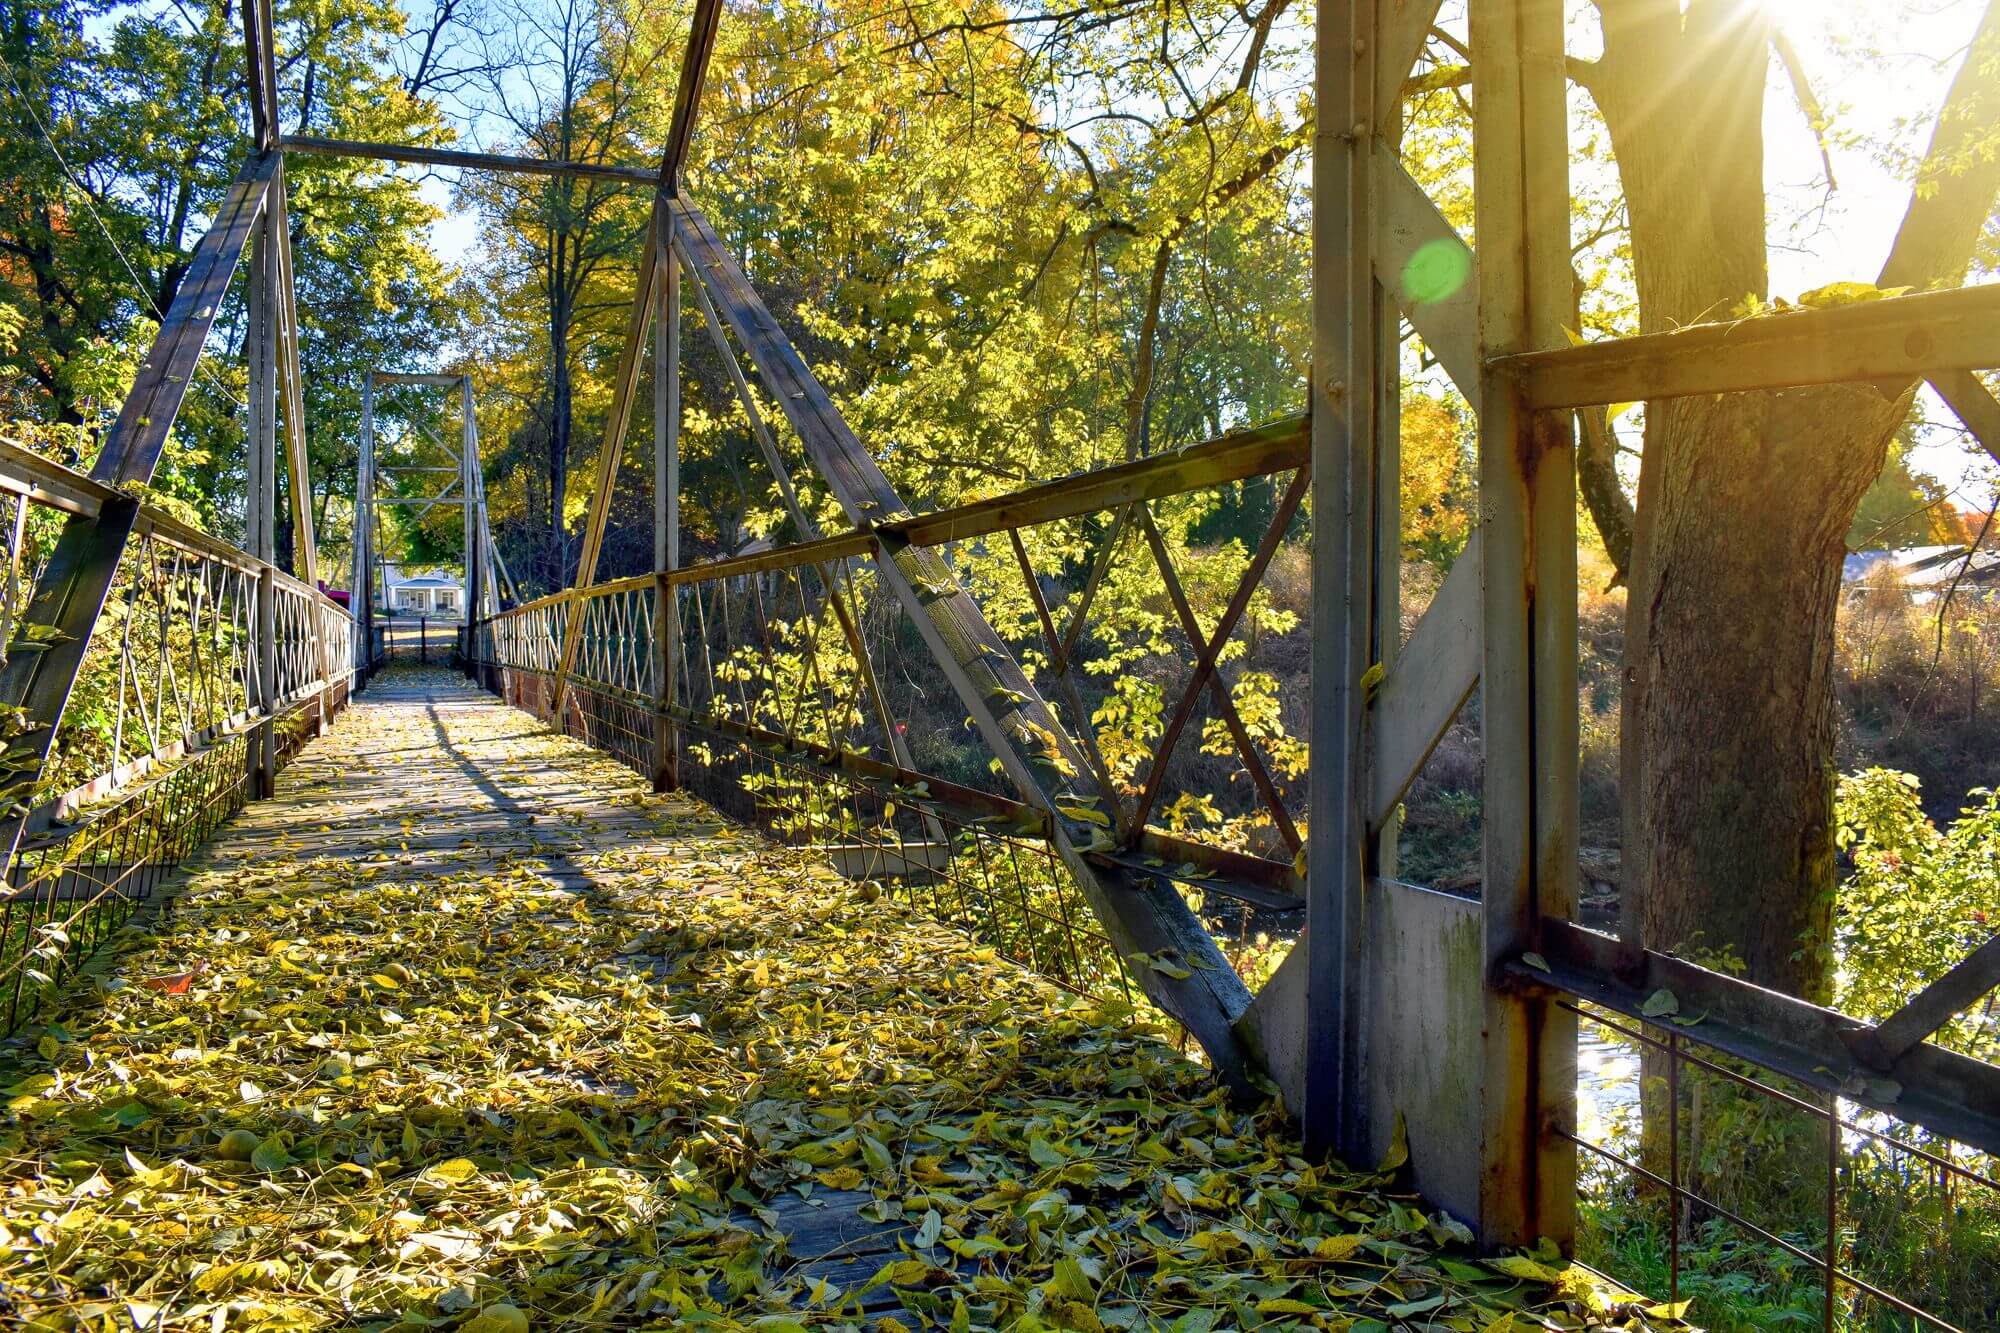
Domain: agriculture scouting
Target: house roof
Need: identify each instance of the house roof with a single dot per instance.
(1915, 564)
(426, 581)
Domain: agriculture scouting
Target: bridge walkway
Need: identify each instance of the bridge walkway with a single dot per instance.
(465, 1017)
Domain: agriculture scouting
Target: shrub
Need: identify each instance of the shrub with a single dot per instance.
(1918, 900)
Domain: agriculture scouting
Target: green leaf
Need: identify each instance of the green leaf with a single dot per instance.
(1520, 1266)
(1399, 1147)
(271, 1157)
(1404, 1309)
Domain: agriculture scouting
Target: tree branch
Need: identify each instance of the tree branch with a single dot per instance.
(1959, 178)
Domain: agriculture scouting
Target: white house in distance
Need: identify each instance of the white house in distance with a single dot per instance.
(1926, 573)
(425, 593)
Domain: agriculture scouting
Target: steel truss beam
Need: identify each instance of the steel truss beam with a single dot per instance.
(1528, 690)
(70, 594)
(1975, 405)
(298, 464)
(464, 475)
(1952, 1094)
(361, 590)
(1045, 765)
(1895, 339)
(702, 29)
(1944, 999)
(1344, 448)
(625, 385)
(680, 133)
(453, 157)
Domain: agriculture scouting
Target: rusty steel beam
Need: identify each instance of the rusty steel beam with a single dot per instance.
(1527, 521)
(1045, 765)
(421, 155)
(1896, 338)
(687, 93)
(1954, 1095)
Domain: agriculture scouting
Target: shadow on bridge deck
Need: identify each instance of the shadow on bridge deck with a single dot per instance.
(508, 1028)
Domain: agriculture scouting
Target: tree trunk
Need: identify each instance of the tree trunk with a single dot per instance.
(1729, 708)
(1744, 504)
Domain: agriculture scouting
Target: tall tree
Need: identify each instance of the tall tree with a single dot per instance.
(563, 78)
(1745, 500)
(122, 134)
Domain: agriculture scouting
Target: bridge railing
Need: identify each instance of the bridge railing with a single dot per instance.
(161, 737)
(789, 688)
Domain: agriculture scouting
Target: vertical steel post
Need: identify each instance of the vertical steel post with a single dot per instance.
(666, 515)
(298, 462)
(1387, 610)
(1343, 456)
(261, 507)
(472, 510)
(1528, 686)
(361, 596)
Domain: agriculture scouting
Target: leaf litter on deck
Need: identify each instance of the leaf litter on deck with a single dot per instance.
(476, 1033)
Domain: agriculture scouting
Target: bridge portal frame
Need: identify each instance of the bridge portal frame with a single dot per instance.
(1403, 1010)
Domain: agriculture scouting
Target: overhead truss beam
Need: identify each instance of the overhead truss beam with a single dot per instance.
(454, 157)
(687, 95)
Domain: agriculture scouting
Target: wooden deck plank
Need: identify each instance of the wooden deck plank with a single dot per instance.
(526, 1032)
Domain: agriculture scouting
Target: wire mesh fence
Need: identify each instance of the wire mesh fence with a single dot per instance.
(1746, 1177)
(160, 736)
(784, 704)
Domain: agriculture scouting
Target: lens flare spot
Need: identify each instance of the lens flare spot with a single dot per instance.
(1437, 270)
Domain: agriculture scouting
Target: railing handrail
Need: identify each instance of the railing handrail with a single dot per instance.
(45, 482)
(1277, 446)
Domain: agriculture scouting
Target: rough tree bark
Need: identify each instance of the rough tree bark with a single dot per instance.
(1745, 499)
